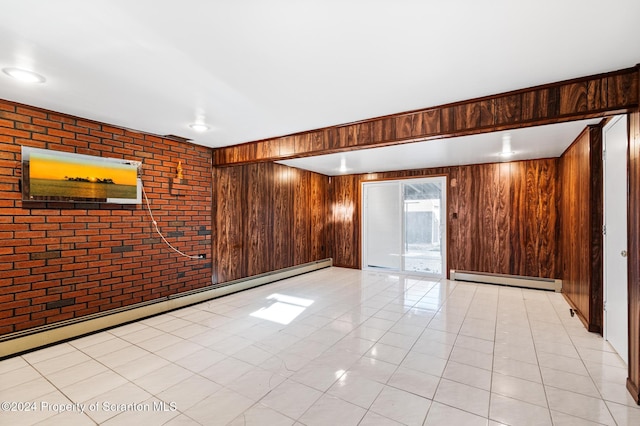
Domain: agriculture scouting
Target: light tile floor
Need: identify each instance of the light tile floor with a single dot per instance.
(333, 347)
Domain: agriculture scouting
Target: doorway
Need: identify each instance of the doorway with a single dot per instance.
(614, 145)
(404, 226)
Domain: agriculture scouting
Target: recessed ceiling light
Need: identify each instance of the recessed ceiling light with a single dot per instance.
(506, 146)
(24, 75)
(343, 165)
(199, 127)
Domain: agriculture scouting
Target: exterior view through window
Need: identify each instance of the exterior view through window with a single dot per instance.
(404, 225)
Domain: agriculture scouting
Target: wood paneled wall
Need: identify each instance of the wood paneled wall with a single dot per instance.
(587, 97)
(507, 218)
(503, 217)
(633, 381)
(582, 218)
(267, 217)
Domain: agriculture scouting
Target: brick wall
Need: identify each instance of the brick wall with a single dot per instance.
(65, 260)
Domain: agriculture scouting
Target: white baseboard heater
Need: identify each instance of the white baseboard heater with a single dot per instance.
(22, 341)
(510, 280)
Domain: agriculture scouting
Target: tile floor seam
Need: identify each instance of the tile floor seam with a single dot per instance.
(441, 376)
(585, 367)
(458, 312)
(546, 396)
(133, 381)
(58, 389)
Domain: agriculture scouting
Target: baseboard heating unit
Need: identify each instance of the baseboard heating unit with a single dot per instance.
(509, 280)
(23, 341)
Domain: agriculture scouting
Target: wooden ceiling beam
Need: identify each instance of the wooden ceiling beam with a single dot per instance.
(587, 97)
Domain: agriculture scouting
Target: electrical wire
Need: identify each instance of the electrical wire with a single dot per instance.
(155, 224)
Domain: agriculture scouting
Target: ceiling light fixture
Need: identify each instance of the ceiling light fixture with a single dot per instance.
(199, 127)
(23, 75)
(506, 146)
(343, 165)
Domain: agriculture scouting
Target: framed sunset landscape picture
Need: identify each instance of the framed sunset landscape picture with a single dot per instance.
(49, 175)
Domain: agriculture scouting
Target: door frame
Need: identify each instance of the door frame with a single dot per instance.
(444, 218)
(606, 255)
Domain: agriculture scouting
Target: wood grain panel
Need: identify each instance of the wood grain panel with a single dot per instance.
(581, 213)
(287, 146)
(281, 207)
(417, 124)
(301, 216)
(318, 140)
(487, 113)
(267, 149)
(363, 131)
(247, 152)
(487, 178)
(318, 216)
(467, 116)
(431, 122)
(453, 206)
(534, 105)
(622, 90)
(257, 227)
(517, 226)
(349, 136)
(228, 233)
(224, 155)
(345, 221)
(404, 126)
(383, 130)
(596, 222)
(573, 98)
(346, 136)
(303, 142)
(597, 94)
(503, 216)
(586, 97)
(508, 109)
(633, 380)
(447, 120)
(267, 217)
(542, 233)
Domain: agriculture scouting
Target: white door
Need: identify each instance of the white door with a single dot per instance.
(424, 244)
(404, 226)
(615, 238)
(382, 226)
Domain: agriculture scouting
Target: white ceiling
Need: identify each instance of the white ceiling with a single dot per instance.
(254, 69)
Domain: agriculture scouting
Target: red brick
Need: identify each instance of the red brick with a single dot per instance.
(59, 317)
(46, 270)
(75, 129)
(7, 106)
(100, 134)
(30, 127)
(29, 264)
(62, 118)
(15, 117)
(31, 112)
(28, 310)
(16, 304)
(14, 320)
(89, 124)
(45, 138)
(47, 123)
